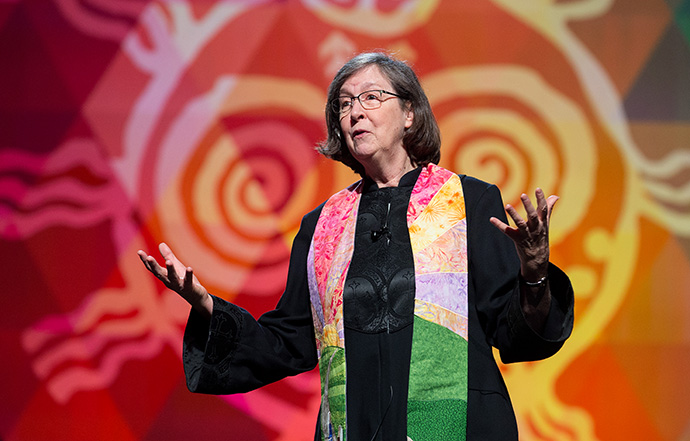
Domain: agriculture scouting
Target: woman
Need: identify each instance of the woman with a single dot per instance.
(413, 267)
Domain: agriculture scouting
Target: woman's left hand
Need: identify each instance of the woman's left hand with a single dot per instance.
(531, 236)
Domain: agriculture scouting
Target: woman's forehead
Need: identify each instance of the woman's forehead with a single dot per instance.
(365, 79)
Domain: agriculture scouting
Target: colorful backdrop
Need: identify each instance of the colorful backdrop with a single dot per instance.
(124, 123)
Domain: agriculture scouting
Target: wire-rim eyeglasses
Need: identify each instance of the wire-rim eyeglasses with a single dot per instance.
(369, 99)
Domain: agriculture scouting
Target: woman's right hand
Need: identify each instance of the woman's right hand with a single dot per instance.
(179, 278)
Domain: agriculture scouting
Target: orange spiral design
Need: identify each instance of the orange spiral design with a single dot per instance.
(502, 141)
(246, 183)
(506, 125)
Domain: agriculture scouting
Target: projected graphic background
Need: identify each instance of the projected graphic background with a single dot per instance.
(124, 123)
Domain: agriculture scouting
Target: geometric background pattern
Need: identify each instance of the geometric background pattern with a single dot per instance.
(124, 123)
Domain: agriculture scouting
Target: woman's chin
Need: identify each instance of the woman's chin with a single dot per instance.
(363, 152)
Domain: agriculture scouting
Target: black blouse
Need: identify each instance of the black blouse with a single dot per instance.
(378, 308)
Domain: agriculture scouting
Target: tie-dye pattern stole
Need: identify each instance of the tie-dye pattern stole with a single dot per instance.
(437, 400)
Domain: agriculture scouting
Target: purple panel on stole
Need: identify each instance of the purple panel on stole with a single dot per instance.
(444, 289)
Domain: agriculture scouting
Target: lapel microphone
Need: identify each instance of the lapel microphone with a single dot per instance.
(383, 231)
(377, 234)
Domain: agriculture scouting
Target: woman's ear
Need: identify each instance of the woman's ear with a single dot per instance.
(409, 116)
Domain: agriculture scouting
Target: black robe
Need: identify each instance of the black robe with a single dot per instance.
(237, 353)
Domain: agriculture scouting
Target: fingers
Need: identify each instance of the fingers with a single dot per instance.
(143, 256)
(174, 280)
(165, 251)
(168, 255)
(496, 222)
(537, 218)
(151, 264)
(174, 275)
(538, 214)
(517, 219)
(550, 203)
(531, 236)
(189, 278)
(527, 203)
(543, 210)
(542, 206)
(513, 233)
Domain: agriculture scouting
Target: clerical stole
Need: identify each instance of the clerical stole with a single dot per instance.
(437, 397)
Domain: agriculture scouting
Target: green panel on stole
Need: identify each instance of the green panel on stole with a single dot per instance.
(437, 400)
(335, 389)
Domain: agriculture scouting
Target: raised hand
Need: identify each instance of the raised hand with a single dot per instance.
(179, 278)
(531, 236)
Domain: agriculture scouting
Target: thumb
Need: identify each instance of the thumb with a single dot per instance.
(550, 203)
(165, 250)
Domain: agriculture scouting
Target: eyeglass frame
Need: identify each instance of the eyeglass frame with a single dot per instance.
(335, 104)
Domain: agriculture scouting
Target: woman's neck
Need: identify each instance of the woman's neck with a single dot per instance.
(389, 176)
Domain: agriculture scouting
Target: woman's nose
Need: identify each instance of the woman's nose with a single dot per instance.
(357, 110)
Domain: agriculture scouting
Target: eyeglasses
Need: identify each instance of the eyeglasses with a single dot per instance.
(370, 99)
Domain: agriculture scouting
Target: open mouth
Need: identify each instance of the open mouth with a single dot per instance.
(358, 133)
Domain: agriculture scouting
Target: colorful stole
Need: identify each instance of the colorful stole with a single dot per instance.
(437, 396)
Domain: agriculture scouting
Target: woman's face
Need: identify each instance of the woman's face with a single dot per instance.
(377, 134)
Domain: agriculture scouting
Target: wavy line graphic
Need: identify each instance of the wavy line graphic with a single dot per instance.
(106, 19)
(85, 349)
(72, 187)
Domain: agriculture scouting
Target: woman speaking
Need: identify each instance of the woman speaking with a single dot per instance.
(398, 286)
